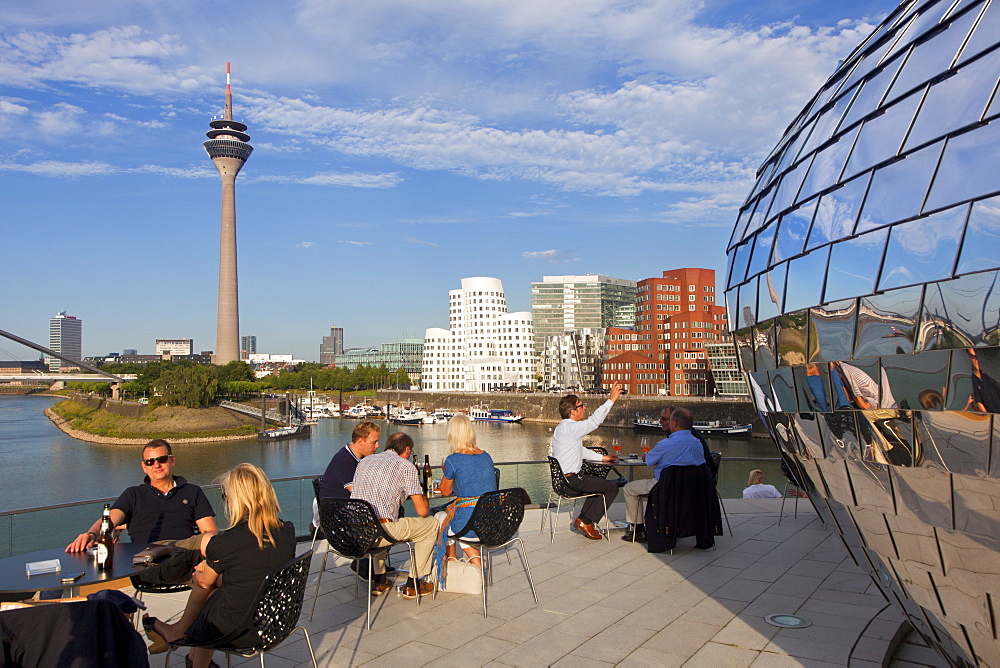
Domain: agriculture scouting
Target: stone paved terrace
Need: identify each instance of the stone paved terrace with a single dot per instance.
(611, 603)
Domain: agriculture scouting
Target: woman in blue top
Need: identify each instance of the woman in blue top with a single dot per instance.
(468, 473)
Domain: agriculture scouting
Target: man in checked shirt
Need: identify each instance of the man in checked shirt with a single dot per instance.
(385, 480)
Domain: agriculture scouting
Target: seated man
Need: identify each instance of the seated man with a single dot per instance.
(338, 478)
(681, 448)
(385, 480)
(164, 509)
(567, 447)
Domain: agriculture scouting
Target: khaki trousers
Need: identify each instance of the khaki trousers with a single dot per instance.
(423, 532)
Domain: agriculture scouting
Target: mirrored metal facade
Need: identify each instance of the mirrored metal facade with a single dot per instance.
(864, 288)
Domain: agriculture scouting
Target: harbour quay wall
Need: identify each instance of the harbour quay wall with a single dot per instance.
(539, 407)
(124, 408)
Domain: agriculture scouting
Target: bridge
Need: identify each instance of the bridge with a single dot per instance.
(116, 381)
(65, 377)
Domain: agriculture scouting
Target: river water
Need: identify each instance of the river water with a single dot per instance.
(40, 465)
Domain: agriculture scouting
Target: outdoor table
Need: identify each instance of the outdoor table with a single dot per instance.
(630, 464)
(15, 580)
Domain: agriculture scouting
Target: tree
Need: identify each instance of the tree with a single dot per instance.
(192, 386)
(234, 371)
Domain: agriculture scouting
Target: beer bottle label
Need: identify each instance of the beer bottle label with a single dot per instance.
(102, 553)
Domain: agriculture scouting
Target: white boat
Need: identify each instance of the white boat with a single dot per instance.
(723, 428)
(487, 414)
(408, 416)
(438, 416)
(278, 433)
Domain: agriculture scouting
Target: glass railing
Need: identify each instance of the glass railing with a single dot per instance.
(48, 527)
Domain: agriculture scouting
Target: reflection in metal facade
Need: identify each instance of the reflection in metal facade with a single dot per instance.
(863, 286)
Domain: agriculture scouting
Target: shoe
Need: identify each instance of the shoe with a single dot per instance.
(188, 663)
(635, 533)
(160, 644)
(424, 588)
(586, 530)
(360, 566)
(379, 588)
(389, 569)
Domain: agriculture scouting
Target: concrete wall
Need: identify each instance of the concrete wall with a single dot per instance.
(124, 408)
(545, 407)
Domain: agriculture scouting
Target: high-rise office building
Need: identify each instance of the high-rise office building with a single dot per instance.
(248, 346)
(228, 148)
(676, 316)
(486, 348)
(65, 338)
(332, 346)
(560, 304)
(573, 360)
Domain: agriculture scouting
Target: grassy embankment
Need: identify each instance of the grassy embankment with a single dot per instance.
(160, 422)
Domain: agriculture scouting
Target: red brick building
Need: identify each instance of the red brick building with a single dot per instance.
(676, 315)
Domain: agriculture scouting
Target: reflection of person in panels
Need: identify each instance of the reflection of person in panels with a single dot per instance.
(985, 389)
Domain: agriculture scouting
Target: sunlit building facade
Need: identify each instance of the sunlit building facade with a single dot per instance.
(863, 287)
(65, 338)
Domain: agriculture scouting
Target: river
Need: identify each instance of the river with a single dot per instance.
(40, 465)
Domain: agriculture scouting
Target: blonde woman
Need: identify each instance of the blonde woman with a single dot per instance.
(468, 473)
(757, 489)
(236, 562)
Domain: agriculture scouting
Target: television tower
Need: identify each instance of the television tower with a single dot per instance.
(228, 148)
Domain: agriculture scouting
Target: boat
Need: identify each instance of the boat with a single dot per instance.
(723, 428)
(408, 416)
(279, 433)
(438, 416)
(487, 414)
(706, 427)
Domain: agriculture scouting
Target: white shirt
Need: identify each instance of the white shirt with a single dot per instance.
(567, 440)
(760, 491)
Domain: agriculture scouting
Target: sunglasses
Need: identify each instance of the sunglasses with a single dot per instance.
(162, 459)
(579, 406)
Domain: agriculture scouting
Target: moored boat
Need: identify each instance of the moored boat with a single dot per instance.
(279, 433)
(487, 414)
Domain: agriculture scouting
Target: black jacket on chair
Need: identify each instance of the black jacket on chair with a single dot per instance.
(683, 503)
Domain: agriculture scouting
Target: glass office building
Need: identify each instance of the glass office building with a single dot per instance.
(560, 304)
(863, 286)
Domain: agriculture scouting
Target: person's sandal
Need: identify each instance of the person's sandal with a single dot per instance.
(160, 644)
(379, 588)
(188, 663)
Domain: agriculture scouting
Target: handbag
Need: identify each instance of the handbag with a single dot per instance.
(150, 554)
(462, 577)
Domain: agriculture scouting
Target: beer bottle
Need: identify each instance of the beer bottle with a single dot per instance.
(106, 541)
(428, 487)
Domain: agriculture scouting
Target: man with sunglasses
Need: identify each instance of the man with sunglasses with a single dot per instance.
(567, 447)
(680, 448)
(164, 508)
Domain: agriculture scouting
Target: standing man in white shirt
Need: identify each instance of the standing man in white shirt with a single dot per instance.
(567, 447)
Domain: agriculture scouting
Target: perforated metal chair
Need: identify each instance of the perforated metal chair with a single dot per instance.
(561, 490)
(717, 459)
(353, 531)
(495, 521)
(273, 616)
(317, 484)
(794, 484)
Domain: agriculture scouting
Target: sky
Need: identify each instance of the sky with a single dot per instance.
(399, 146)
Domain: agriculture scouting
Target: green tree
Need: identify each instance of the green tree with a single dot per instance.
(234, 371)
(193, 386)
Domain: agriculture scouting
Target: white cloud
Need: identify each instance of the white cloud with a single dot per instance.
(354, 180)
(61, 169)
(553, 255)
(421, 242)
(305, 244)
(356, 243)
(199, 172)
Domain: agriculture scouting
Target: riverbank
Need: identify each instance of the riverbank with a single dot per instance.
(175, 423)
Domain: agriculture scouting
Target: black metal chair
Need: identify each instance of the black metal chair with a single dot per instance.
(317, 484)
(495, 521)
(600, 469)
(561, 490)
(273, 616)
(353, 531)
(147, 588)
(717, 461)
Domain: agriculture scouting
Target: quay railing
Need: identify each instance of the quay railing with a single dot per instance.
(48, 527)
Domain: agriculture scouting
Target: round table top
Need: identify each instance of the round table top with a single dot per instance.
(15, 580)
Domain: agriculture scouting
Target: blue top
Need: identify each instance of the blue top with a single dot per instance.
(473, 476)
(681, 448)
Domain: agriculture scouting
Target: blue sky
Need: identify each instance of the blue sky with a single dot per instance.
(399, 146)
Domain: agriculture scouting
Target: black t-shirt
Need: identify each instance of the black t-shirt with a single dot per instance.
(234, 555)
(338, 474)
(152, 515)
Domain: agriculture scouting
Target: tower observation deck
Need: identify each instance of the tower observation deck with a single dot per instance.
(229, 149)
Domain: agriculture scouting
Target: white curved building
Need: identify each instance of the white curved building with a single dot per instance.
(485, 347)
